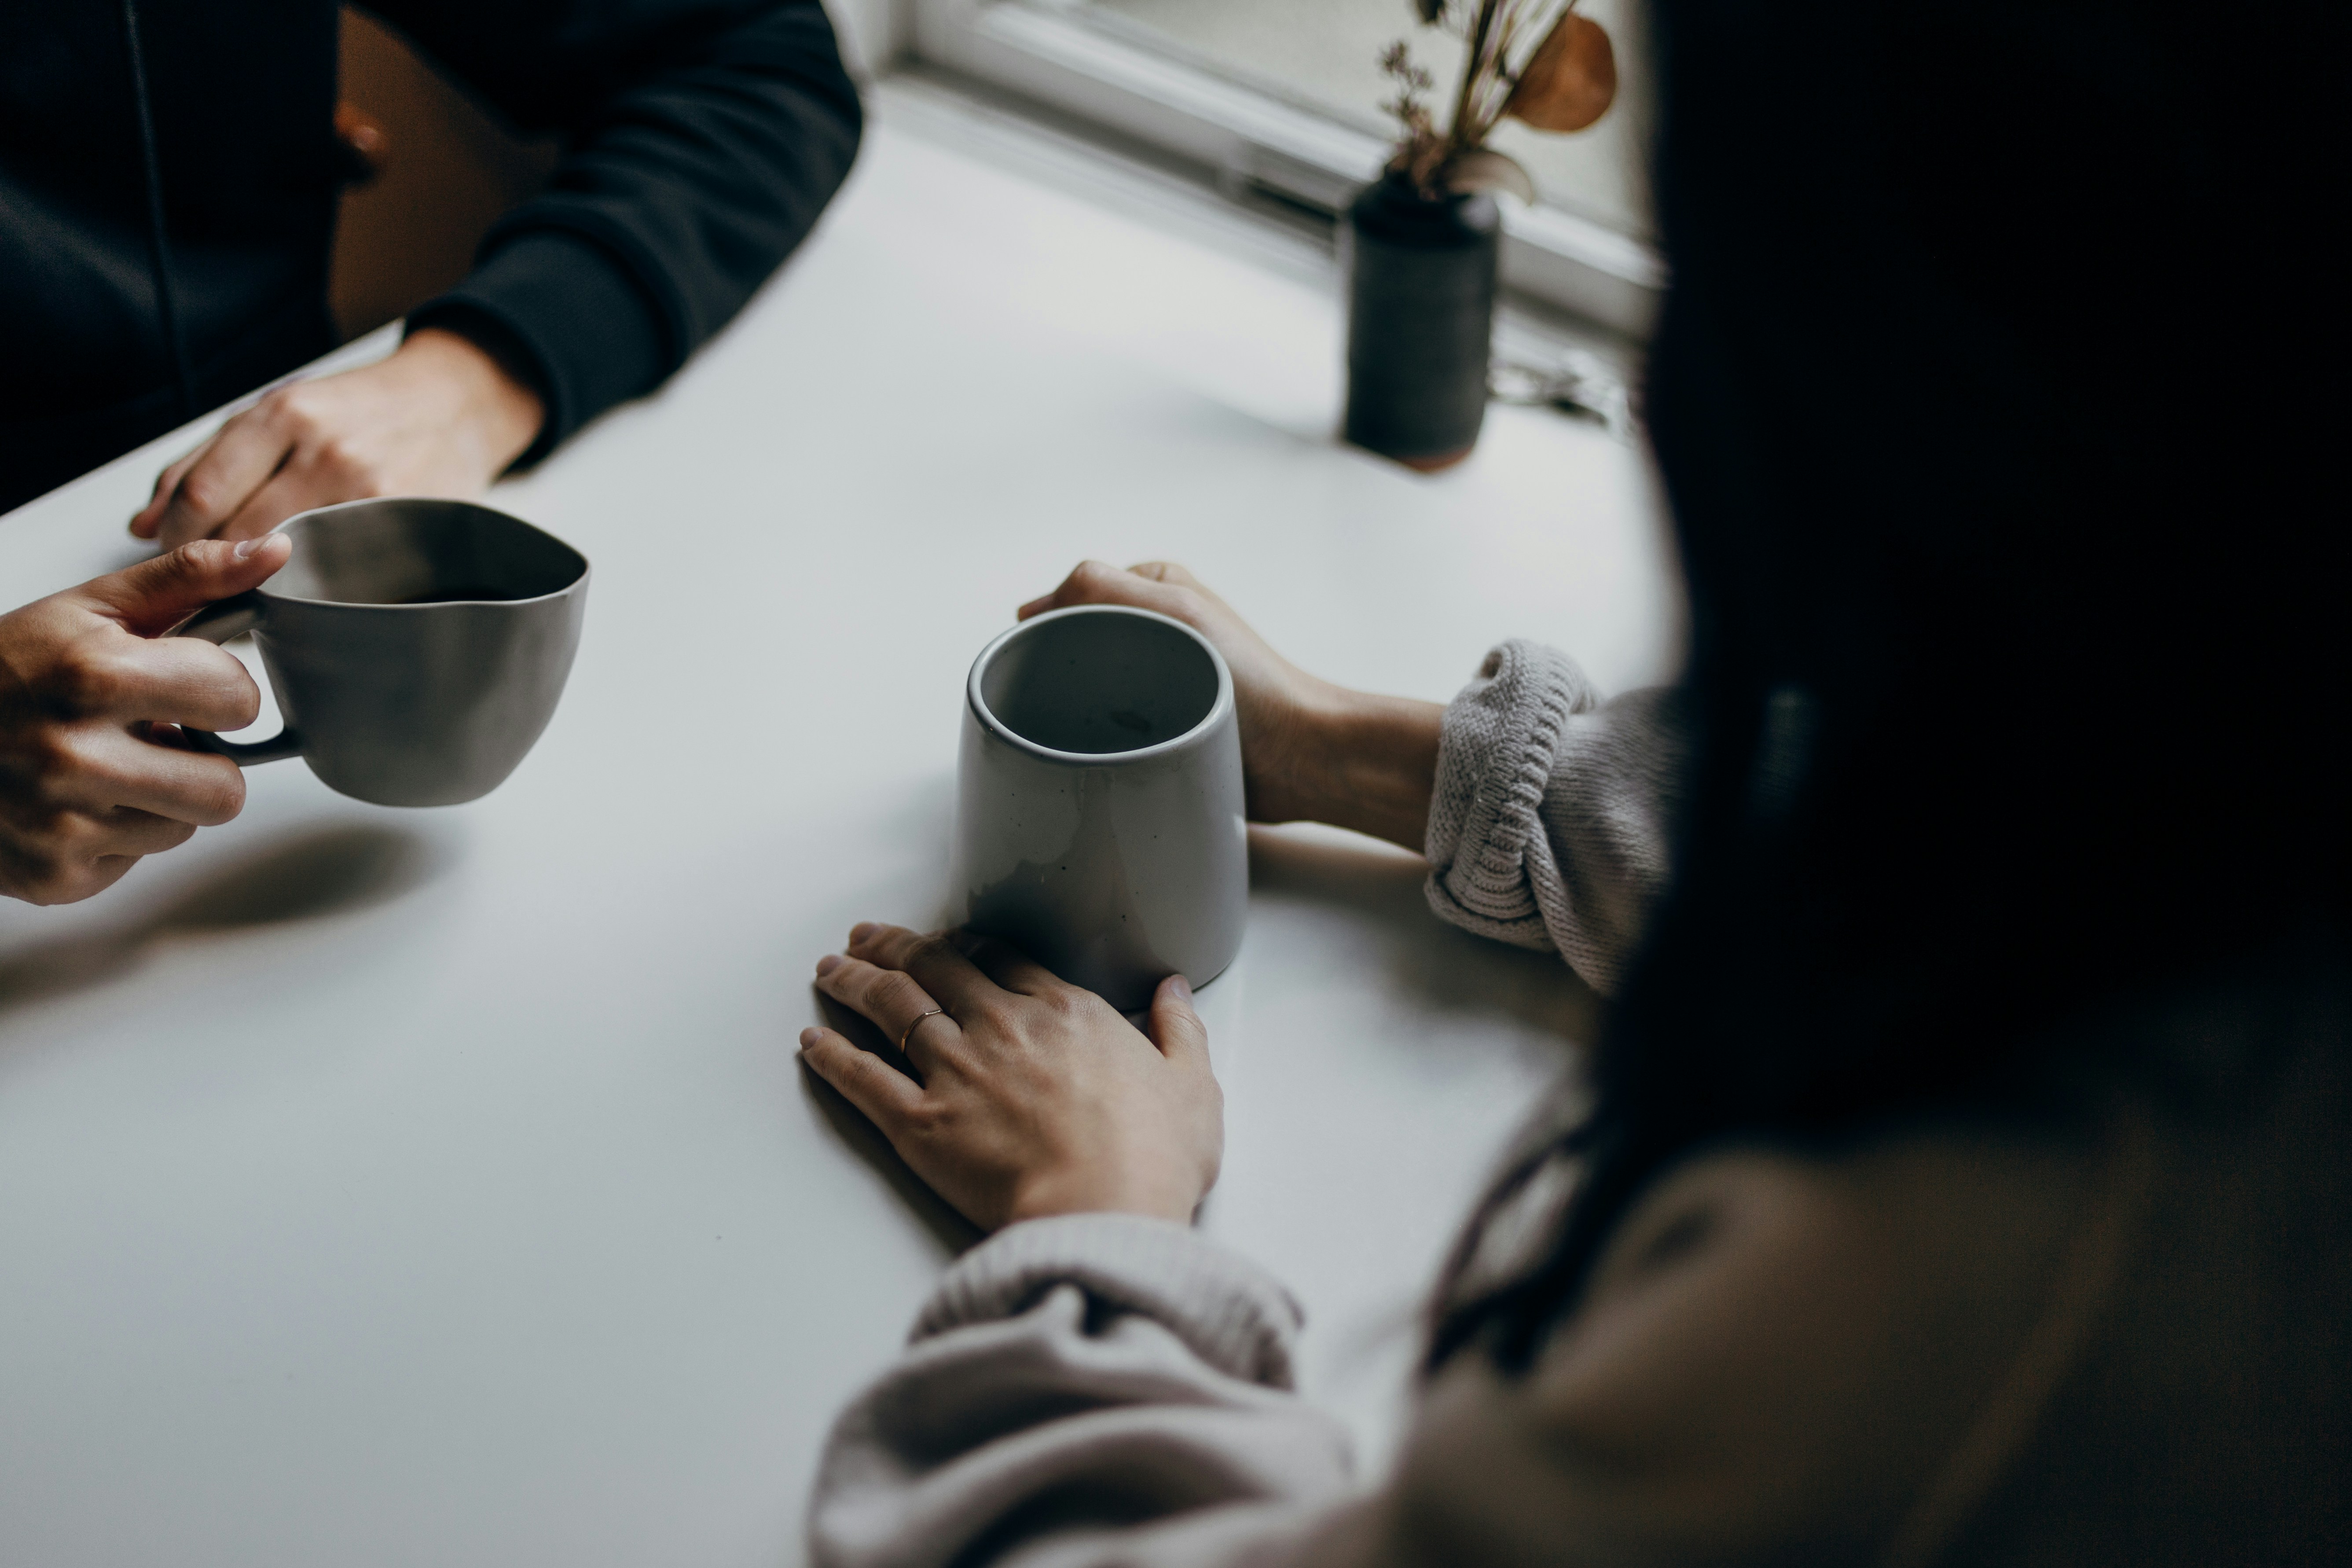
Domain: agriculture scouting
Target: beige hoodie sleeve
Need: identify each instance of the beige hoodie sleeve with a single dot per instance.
(1549, 826)
(1086, 1389)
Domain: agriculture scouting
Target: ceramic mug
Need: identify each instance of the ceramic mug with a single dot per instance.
(417, 647)
(1099, 821)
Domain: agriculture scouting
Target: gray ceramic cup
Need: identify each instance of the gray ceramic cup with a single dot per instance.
(417, 647)
(1099, 822)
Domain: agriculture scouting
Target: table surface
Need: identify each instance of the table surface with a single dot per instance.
(441, 1186)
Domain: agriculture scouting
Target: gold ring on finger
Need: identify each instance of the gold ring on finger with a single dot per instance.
(909, 1033)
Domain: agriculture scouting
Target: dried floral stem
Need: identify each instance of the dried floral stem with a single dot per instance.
(1496, 35)
(1472, 68)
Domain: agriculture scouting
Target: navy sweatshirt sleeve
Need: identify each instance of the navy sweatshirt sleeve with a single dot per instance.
(702, 139)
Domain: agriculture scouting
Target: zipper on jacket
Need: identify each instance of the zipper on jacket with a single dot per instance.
(159, 251)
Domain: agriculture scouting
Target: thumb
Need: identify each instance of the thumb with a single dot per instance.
(153, 597)
(1176, 1029)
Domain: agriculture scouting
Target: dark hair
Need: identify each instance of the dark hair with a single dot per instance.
(1999, 395)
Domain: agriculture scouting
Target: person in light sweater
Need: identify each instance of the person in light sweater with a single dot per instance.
(1966, 1175)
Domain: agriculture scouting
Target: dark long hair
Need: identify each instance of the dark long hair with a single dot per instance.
(1999, 397)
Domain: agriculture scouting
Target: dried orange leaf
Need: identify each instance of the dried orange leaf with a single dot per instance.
(1571, 79)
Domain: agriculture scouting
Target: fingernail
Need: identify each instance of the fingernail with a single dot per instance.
(1182, 988)
(809, 1037)
(246, 547)
(828, 963)
(861, 930)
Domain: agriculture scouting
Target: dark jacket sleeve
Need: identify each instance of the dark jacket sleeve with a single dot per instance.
(703, 138)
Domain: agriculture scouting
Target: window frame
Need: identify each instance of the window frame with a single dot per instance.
(1247, 137)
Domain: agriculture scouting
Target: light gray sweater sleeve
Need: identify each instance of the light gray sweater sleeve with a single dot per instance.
(1081, 1392)
(1549, 822)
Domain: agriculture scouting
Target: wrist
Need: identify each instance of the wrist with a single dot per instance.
(1372, 763)
(1287, 753)
(501, 407)
(1051, 1194)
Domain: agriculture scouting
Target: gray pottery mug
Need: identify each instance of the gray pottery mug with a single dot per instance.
(1099, 821)
(417, 647)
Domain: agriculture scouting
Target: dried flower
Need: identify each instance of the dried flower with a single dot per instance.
(1565, 83)
(1397, 65)
(1570, 81)
(1411, 82)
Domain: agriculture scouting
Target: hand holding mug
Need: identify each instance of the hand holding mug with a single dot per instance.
(418, 646)
(1019, 1096)
(1311, 750)
(93, 774)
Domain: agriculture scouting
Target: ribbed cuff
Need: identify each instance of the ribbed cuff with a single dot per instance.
(571, 315)
(1227, 1310)
(1495, 746)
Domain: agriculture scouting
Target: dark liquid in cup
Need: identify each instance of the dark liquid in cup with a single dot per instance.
(451, 595)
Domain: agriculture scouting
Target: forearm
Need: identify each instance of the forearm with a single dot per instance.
(703, 138)
(1368, 763)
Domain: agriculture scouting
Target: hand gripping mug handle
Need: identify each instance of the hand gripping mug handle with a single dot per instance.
(220, 622)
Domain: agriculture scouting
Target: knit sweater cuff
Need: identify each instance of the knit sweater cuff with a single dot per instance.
(1227, 1310)
(575, 316)
(1495, 754)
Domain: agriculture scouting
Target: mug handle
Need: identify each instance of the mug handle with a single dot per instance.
(225, 621)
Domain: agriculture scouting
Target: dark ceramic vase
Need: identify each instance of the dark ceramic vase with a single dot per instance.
(1420, 312)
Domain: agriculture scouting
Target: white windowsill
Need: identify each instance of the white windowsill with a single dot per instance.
(1184, 199)
(1241, 139)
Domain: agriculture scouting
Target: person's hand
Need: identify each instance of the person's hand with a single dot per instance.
(92, 773)
(1311, 750)
(1279, 705)
(1023, 1096)
(439, 418)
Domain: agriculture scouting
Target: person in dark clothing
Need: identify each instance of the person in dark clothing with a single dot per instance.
(169, 172)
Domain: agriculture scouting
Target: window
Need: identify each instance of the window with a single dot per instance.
(1284, 95)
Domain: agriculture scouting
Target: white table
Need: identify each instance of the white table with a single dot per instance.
(440, 1187)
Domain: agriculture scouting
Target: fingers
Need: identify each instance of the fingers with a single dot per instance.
(297, 487)
(1158, 586)
(156, 595)
(127, 835)
(891, 1000)
(1006, 965)
(166, 681)
(79, 853)
(167, 484)
(68, 884)
(1169, 572)
(103, 768)
(225, 473)
(931, 960)
(888, 1096)
(1174, 1026)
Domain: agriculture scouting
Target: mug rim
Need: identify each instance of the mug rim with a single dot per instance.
(265, 590)
(997, 726)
